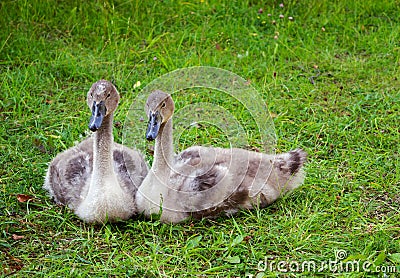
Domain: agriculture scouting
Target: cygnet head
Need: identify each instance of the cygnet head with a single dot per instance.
(102, 99)
(159, 109)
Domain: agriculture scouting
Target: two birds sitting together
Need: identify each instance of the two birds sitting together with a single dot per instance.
(101, 180)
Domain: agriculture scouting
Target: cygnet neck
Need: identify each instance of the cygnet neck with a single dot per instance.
(103, 147)
(164, 149)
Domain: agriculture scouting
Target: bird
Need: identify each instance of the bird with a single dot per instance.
(207, 182)
(98, 178)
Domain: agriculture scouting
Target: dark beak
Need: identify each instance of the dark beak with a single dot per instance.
(153, 126)
(98, 112)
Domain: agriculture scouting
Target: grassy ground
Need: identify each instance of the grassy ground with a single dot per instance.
(330, 77)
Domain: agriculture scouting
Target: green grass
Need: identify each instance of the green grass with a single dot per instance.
(347, 119)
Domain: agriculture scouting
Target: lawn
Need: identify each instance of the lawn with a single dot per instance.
(328, 72)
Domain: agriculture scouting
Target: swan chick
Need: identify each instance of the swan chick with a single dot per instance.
(98, 178)
(208, 181)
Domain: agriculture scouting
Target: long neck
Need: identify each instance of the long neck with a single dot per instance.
(102, 149)
(164, 149)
